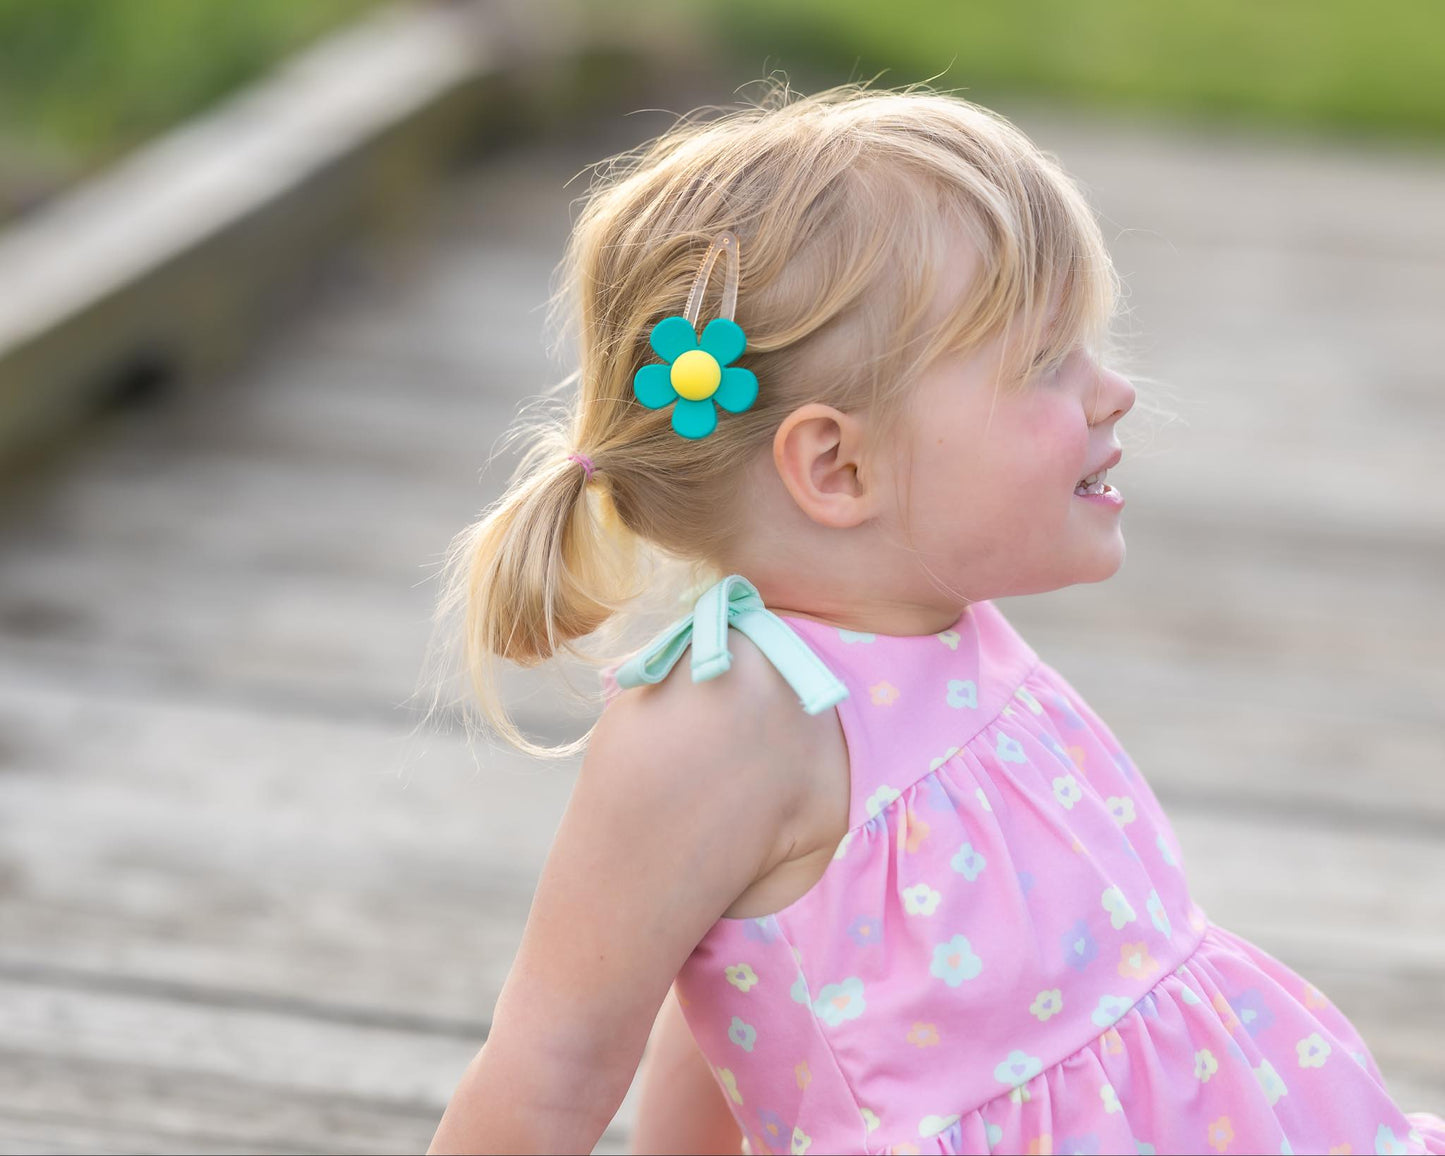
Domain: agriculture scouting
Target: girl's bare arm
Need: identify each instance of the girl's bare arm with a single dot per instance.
(680, 1108)
(681, 802)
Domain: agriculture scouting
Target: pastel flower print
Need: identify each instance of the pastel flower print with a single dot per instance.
(730, 1082)
(949, 638)
(1113, 1042)
(1135, 962)
(921, 899)
(880, 799)
(865, 929)
(933, 792)
(1086, 1144)
(1028, 700)
(1065, 708)
(1047, 1003)
(1041, 1145)
(917, 831)
(1080, 950)
(1269, 1082)
(1313, 1051)
(799, 990)
(1009, 749)
(837, 1002)
(761, 930)
(982, 799)
(1226, 1013)
(1387, 1141)
(1111, 1099)
(1205, 1065)
(855, 636)
(870, 1119)
(1120, 913)
(943, 758)
(742, 1034)
(802, 1074)
(1221, 1132)
(883, 693)
(741, 976)
(772, 1125)
(1164, 852)
(1253, 1013)
(800, 1141)
(1018, 1068)
(1158, 916)
(955, 961)
(1109, 1011)
(842, 848)
(1121, 807)
(923, 1035)
(1067, 792)
(933, 1125)
(960, 693)
(968, 862)
(695, 377)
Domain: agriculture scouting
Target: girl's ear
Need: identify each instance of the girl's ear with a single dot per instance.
(818, 452)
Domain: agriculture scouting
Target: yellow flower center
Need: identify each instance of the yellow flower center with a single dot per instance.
(696, 374)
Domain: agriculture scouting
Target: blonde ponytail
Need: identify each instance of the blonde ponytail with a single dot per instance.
(545, 565)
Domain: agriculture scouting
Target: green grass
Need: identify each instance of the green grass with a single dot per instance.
(85, 80)
(1338, 64)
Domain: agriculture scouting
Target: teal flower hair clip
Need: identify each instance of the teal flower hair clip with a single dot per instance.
(699, 375)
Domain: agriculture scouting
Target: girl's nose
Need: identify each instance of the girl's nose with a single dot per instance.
(1113, 398)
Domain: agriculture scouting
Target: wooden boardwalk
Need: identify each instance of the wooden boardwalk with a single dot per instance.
(243, 907)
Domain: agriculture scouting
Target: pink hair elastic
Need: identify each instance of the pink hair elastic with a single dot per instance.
(587, 467)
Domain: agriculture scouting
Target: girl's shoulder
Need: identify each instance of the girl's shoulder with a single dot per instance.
(740, 732)
(740, 739)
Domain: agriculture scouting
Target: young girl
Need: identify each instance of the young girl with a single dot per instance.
(890, 883)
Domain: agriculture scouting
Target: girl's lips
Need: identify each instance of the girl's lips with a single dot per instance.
(1110, 497)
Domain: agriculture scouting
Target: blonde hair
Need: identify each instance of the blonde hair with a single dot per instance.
(846, 205)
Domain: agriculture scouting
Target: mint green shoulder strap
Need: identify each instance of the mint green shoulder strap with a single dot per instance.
(735, 602)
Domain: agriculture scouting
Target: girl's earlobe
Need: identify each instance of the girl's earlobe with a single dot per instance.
(818, 455)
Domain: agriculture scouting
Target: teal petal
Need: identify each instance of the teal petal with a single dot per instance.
(737, 390)
(724, 339)
(653, 385)
(694, 419)
(673, 336)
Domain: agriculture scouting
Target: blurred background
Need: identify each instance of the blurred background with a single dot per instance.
(272, 288)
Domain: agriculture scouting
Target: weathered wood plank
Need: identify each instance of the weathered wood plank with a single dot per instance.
(95, 1073)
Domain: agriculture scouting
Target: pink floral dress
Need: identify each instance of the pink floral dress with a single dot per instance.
(1003, 955)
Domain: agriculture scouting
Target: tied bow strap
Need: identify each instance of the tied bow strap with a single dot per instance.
(735, 602)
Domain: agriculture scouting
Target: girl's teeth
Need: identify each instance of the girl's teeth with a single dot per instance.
(1093, 484)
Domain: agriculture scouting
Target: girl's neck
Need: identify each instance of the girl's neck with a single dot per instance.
(851, 610)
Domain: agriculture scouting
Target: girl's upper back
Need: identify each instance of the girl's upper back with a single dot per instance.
(927, 945)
